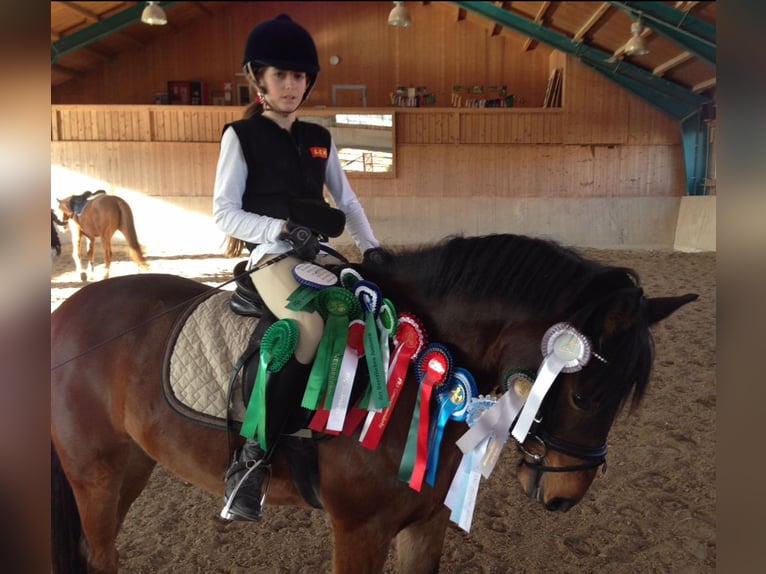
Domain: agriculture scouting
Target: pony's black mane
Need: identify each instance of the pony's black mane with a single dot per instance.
(545, 280)
(533, 273)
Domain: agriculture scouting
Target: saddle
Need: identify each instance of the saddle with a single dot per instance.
(246, 300)
(78, 202)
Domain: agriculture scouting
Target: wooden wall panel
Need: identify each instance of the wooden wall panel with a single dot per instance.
(437, 52)
(155, 169)
(604, 143)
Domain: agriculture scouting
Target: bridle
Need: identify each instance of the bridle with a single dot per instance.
(593, 456)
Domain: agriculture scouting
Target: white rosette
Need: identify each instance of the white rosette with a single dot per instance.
(565, 350)
(312, 275)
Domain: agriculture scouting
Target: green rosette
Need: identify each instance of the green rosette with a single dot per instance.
(338, 307)
(277, 346)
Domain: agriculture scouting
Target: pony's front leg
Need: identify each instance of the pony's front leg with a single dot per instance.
(76, 250)
(360, 549)
(107, 245)
(419, 546)
(91, 254)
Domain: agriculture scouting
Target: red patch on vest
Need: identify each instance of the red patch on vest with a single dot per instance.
(318, 152)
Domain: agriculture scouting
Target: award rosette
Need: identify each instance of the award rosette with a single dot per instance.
(565, 350)
(452, 400)
(371, 301)
(337, 306)
(354, 351)
(348, 277)
(312, 279)
(387, 323)
(410, 338)
(434, 366)
(277, 346)
(494, 425)
(461, 496)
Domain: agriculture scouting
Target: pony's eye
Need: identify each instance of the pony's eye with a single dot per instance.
(580, 401)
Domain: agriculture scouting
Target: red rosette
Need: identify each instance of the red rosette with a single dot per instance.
(410, 334)
(356, 336)
(434, 367)
(409, 340)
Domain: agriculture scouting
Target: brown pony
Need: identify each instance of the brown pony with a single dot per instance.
(102, 216)
(488, 299)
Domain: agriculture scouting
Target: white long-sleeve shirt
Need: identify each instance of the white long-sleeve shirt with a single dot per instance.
(230, 181)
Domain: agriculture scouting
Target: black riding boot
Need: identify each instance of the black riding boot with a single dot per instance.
(246, 474)
(244, 482)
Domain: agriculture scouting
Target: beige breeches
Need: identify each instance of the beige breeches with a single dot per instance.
(275, 283)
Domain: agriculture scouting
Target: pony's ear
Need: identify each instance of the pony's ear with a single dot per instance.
(659, 308)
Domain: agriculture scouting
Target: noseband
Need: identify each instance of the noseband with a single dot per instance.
(594, 456)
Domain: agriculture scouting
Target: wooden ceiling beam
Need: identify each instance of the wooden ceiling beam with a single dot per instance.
(697, 88)
(497, 29)
(529, 42)
(672, 63)
(592, 21)
(685, 6)
(91, 16)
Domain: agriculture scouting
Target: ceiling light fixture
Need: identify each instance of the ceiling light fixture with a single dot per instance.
(399, 15)
(154, 15)
(636, 46)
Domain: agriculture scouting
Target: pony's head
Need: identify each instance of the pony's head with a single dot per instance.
(499, 302)
(567, 442)
(65, 207)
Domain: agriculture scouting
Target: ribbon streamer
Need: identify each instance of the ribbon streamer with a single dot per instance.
(338, 307)
(409, 340)
(453, 405)
(462, 493)
(277, 346)
(434, 369)
(354, 351)
(371, 301)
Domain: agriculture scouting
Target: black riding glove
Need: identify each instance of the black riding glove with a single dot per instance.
(376, 257)
(302, 240)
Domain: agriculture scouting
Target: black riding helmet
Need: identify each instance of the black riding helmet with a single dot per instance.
(283, 44)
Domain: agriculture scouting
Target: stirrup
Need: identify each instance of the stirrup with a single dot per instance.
(248, 514)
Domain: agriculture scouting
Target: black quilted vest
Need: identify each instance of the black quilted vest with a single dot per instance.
(281, 165)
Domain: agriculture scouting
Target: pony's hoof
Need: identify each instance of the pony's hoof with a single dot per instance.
(83, 276)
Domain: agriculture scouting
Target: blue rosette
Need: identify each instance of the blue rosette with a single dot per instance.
(452, 400)
(371, 301)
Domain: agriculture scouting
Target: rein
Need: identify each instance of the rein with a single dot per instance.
(174, 307)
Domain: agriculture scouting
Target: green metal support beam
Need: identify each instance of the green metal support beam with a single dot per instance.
(100, 30)
(694, 141)
(685, 31)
